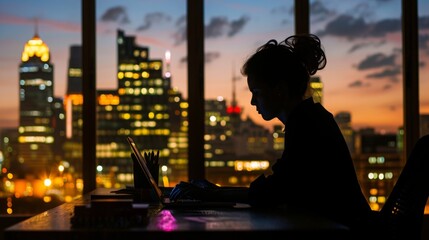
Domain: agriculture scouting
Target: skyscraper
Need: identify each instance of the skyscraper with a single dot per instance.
(316, 86)
(343, 120)
(139, 108)
(36, 117)
(73, 104)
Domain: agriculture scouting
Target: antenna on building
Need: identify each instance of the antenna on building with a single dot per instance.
(167, 62)
(234, 79)
(36, 27)
(234, 108)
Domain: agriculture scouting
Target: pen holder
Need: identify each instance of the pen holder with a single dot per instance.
(143, 191)
(140, 180)
(152, 161)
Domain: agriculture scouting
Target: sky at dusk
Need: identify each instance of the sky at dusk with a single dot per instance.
(362, 40)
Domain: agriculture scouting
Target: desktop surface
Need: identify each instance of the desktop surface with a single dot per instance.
(182, 223)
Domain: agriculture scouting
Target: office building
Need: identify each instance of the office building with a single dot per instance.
(73, 103)
(59, 128)
(316, 89)
(378, 164)
(8, 150)
(343, 119)
(36, 114)
(138, 108)
(176, 167)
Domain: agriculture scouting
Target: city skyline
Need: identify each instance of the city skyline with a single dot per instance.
(369, 88)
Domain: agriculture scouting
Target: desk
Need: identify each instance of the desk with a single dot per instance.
(178, 224)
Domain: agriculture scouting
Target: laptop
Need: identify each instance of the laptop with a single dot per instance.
(164, 199)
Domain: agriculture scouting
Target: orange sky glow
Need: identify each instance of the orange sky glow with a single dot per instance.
(355, 79)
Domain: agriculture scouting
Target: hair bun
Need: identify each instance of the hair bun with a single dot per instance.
(308, 48)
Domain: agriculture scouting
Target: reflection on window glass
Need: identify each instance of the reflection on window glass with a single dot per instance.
(362, 85)
(239, 144)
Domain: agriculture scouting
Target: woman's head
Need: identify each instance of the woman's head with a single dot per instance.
(278, 73)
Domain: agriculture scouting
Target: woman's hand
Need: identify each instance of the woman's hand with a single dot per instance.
(203, 183)
(195, 189)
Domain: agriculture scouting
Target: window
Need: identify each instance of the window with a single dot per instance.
(37, 44)
(142, 63)
(239, 144)
(142, 69)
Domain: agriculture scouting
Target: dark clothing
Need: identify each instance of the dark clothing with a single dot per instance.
(315, 172)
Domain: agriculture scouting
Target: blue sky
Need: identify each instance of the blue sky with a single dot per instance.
(362, 40)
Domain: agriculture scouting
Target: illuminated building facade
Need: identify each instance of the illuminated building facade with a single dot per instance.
(73, 103)
(378, 164)
(343, 120)
(58, 124)
(36, 116)
(139, 108)
(74, 97)
(236, 150)
(8, 150)
(114, 165)
(219, 146)
(316, 88)
(278, 138)
(177, 164)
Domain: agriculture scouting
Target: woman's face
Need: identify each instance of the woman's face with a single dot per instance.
(266, 99)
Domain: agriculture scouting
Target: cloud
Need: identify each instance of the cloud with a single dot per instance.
(217, 27)
(15, 20)
(152, 18)
(211, 56)
(376, 60)
(363, 9)
(180, 35)
(283, 11)
(52, 24)
(350, 27)
(393, 108)
(208, 57)
(387, 87)
(381, 28)
(236, 25)
(357, 84)
(366, 44)
(345, 26)
(391, 73)
(183, 60)
(424, 43)
(390, 70)
(319, 12)
(115, 14)
(424, 22)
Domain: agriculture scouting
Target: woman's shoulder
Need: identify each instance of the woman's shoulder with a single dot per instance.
(313, 109)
